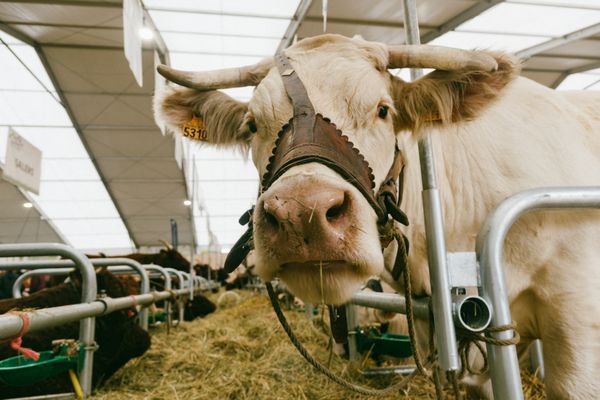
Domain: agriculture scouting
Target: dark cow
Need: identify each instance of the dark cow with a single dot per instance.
(167, 258)
(7, 279)
(119, 338)
(200, 306)
(204, 271)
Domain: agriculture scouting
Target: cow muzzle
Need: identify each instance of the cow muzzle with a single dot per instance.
(303, 211)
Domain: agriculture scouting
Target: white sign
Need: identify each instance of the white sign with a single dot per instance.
(133, 21)
(23, 163)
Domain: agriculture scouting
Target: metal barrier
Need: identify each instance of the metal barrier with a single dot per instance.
(55, 265)
(168, 287)
(504, 366)
(11, 325)
(181, 281)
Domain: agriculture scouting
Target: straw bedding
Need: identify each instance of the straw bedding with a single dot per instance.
(241, 352)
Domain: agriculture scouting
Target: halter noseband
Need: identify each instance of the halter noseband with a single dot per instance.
(309, 137)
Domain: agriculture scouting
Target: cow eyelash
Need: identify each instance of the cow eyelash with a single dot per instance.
(382, 111)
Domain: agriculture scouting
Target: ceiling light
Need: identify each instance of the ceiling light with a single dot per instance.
(146, 33)
(27, 204)
(187, 203)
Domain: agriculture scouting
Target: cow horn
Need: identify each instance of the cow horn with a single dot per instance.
(168, 245)
(249, 75)
(438, 57)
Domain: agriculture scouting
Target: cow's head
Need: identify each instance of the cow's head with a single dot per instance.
(169, 257)
(312, 228)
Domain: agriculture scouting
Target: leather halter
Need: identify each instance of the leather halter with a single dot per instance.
(309, 137)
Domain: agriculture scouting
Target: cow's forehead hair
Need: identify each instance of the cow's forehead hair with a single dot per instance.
(342, 76)
(345, 79)
(332, 67)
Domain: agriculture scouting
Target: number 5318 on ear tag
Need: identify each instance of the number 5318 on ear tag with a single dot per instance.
(195, 130)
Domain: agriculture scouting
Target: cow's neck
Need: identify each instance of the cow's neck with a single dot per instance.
(463, 205)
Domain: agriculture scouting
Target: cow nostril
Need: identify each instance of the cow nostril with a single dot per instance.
(337, 210)
(270, 219)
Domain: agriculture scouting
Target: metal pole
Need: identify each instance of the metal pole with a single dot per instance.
(179, 275)
(174, 236)
(10, 324)
(504, 365)
(193, 226)
(88, 295)
(351, 326)
(434, 226)
(390, 302)
(536, 355)
(167, 277)
(96, 262)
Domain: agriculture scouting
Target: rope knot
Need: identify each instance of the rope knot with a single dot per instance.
(16, 343)
(467, 338)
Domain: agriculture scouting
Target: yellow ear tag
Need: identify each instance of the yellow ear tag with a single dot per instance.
(195, 129)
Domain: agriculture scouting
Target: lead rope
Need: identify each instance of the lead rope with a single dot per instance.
(410, 319)
(323, 369)
(421, 366)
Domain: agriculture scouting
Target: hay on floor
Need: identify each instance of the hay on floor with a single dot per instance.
(241, 352)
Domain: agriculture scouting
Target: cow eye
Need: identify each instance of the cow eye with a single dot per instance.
(382, 111)
(252, 126)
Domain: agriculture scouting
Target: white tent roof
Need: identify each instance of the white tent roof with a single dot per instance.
(118, 176)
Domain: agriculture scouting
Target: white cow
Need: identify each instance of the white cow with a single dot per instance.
(494, 134)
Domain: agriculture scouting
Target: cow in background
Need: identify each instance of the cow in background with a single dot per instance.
(199, 307)
(168, 257)
(7, 279)
(205, 271)
(119, 338)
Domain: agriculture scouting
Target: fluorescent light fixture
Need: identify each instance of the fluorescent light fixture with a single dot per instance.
(146, 33)
(27, 204)
(187, 203)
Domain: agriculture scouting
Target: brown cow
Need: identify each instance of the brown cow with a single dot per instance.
(119, 338)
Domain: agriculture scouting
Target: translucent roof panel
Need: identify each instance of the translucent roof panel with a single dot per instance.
(491, 41)
(71, 192)
(200, 43)
(214, 34)
(593, 4)
(205, 62)
(515, 26)
(222, 24)
(270, 8)
(531, 20)
(589, 80)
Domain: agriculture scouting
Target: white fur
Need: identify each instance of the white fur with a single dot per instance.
(530, 137)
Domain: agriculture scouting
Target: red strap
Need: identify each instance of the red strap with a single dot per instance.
(15, 344)
(131, 312)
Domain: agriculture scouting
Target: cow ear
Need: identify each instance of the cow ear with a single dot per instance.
(450, 96)
(206, 116)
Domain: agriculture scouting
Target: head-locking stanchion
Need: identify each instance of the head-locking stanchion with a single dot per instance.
(88, 295)
(96, 262)
(181, 281)
(504, 366)
(434, 227)
(11, 324)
